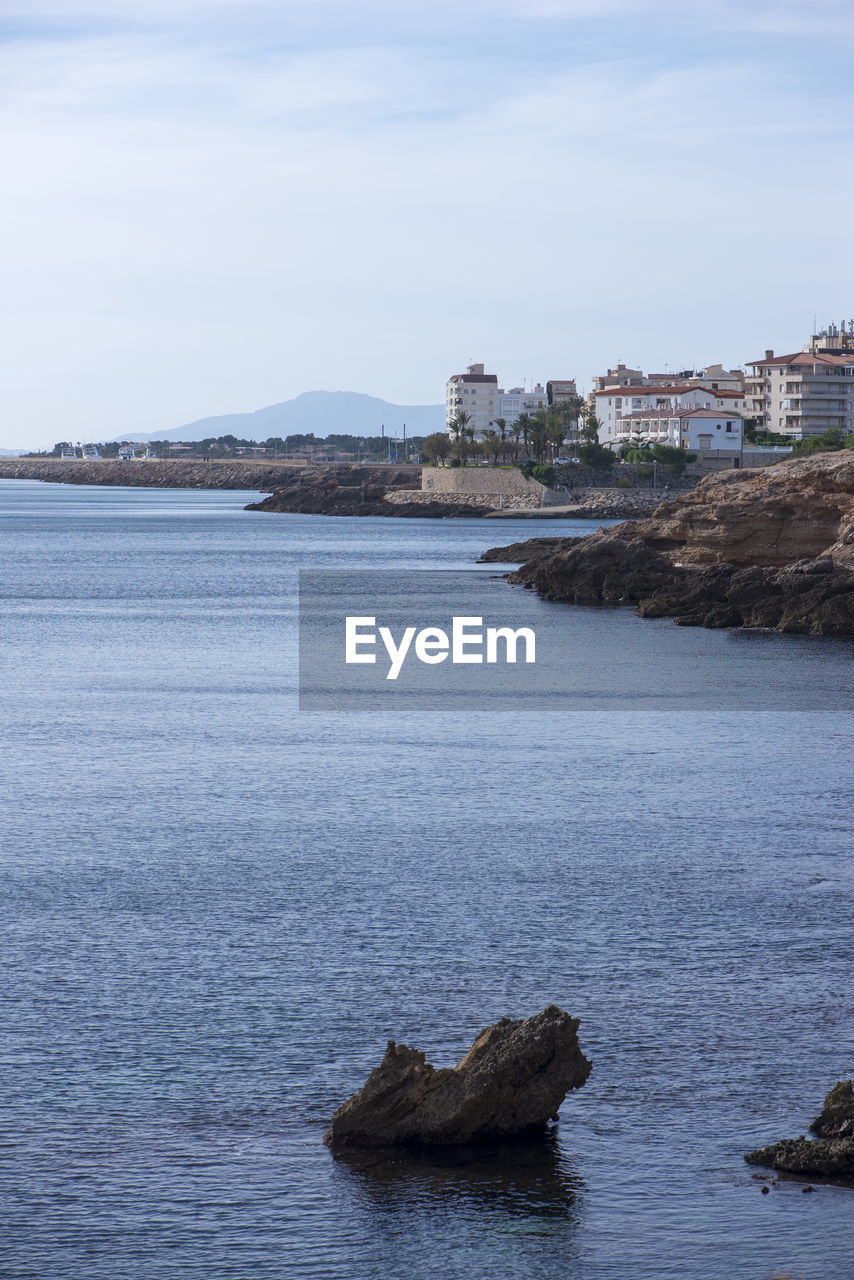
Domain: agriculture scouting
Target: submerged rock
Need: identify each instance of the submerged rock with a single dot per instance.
(831, 1155)
(512, 1081)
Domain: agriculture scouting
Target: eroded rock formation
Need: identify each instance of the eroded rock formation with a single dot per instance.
(512, 1080)
(771, 548)
(831, 1154)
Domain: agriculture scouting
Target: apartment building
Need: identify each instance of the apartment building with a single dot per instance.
(708, 432)
(809, 391)
(683, 416)
(475, 393)
(560, 390)
(515, 401)
(478, 394)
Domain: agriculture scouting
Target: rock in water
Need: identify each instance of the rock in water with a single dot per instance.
(831, 1154)
(512, 1080)
(837, 1114)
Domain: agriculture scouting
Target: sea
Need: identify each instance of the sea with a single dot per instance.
(217, 908)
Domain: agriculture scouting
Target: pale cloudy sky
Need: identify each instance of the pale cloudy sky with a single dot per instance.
(213, 205)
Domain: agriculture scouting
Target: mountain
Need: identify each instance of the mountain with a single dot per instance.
(322, 413)
(12, 453)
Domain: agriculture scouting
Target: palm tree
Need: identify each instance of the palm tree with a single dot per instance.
(501, 424)
(523, 423)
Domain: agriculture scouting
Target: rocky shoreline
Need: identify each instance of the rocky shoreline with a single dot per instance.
(345, 489)
(771, 548)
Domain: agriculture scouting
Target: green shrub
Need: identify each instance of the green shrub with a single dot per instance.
(624, 483)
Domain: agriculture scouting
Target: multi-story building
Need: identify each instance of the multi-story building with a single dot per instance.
(515, 401)
(807, 392)
(475, 393)
(714, 434)
(727, 382)
(560, 390)
(684, 415)
(478, 394)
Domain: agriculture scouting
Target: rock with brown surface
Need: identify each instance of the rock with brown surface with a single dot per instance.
(771, 548)
(512, 1081)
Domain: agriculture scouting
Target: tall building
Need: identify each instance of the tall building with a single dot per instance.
(478, 394)
(809, 391)
(475, 393)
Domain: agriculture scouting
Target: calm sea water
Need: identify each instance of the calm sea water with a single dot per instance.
(216, 910)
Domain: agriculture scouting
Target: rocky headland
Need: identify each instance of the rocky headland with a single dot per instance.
(830, 1154)
(512, 1081)
(770, 548)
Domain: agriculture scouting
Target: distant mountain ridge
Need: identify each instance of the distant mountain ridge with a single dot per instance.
(322, 413)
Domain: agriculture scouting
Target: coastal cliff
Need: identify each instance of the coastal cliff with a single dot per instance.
(771, 548)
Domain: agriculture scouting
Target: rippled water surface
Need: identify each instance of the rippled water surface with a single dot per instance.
(216, 910)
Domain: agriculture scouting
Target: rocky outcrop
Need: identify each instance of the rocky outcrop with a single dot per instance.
(830, 1155)
(772, 548)
(837, 1115)
(512, 1081)
(357, 491)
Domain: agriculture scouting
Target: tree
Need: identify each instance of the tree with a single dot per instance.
(590, 427)
(501, 426)
(596, 455)
(676, 459)
(524, 424)
(437, 447)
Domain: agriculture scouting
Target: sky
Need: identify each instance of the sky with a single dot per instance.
(211, 206)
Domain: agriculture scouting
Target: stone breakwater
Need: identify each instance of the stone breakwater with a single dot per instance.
(771, 548)
(152, 474)
(587, 504)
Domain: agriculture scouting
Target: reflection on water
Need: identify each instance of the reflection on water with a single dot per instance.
(524, 1178)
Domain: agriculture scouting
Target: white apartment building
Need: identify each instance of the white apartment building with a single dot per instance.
(709, 432)
(515, 401)
(616, 405)
(475, 393)
(478, 394)
(807, 392)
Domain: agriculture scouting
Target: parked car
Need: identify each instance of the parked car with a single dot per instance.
(565, 462)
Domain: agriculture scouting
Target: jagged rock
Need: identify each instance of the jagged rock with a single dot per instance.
(770, 548)
(837, 1115)
(512, 1080)
(831, 1155)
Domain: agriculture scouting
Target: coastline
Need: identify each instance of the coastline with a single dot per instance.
(772, 550)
